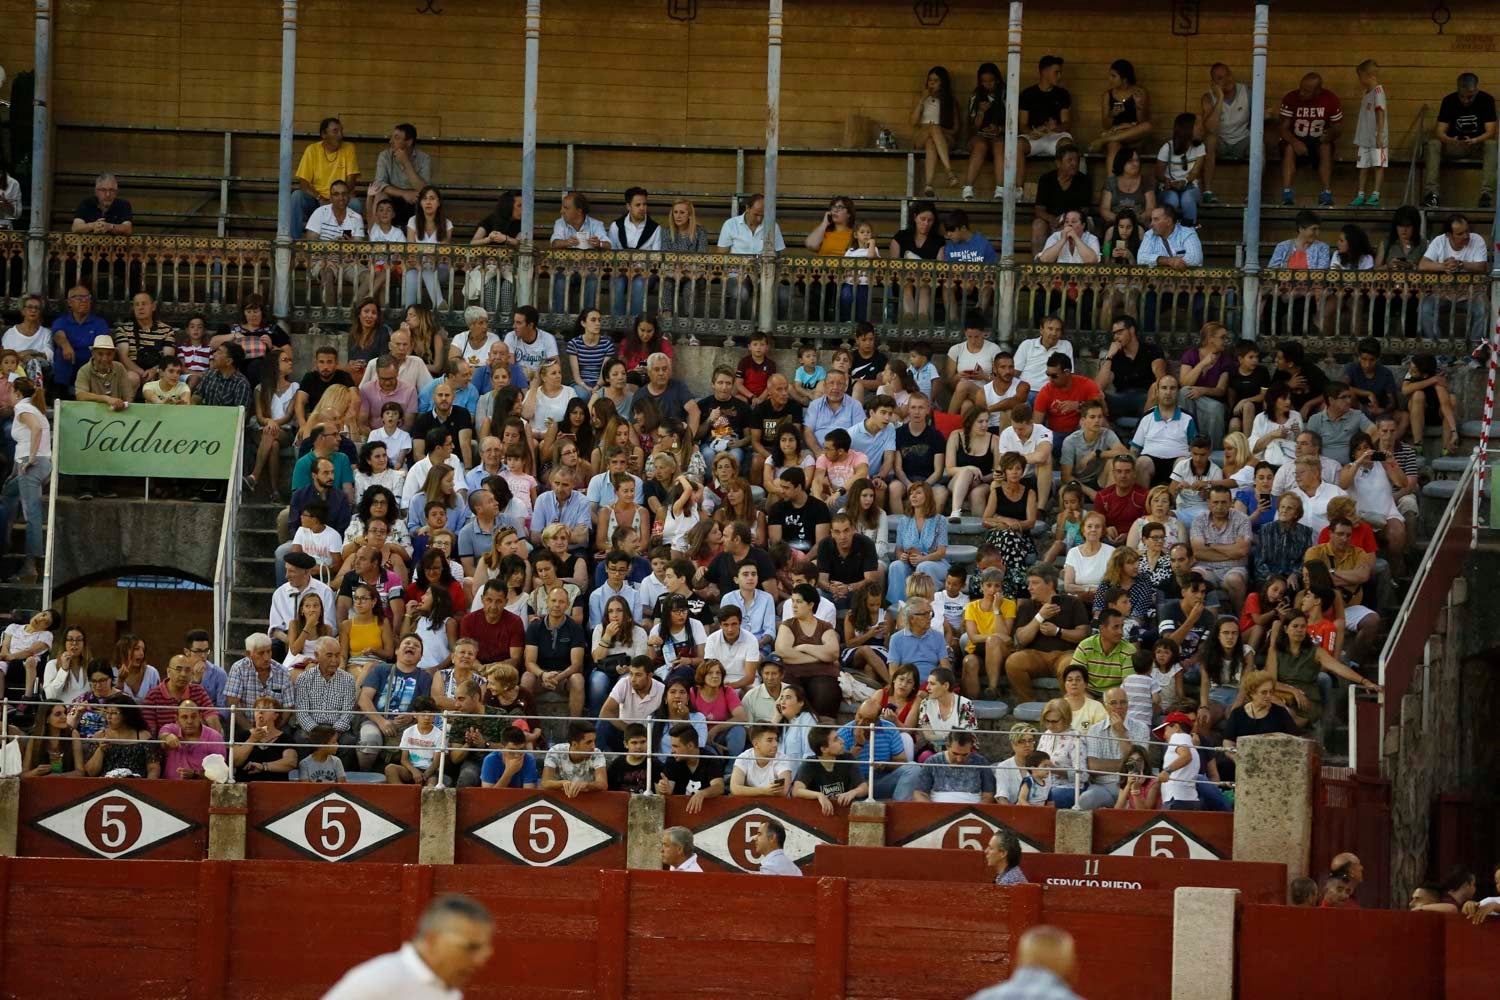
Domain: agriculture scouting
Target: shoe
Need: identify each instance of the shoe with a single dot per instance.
(1287, 197)
(1479, 356)
(85, 495)
(1359, 200)
(1325, 199)
(968, 192)
(999, 192)
(1209, 198)
(1486, 200)
(1443, 361)
(1430, 201)
(1373, 201)
(928, 192)
(955, 518)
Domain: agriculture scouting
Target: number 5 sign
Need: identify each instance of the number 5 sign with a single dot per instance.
(541, 832)
(334, 827)
(114, 823)
(1165, 839)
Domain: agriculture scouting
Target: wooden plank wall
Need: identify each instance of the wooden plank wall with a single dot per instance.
(627, 72)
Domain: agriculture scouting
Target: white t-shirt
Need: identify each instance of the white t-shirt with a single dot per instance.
(965, 360)
(1072, 256)
(1182, 472)
(698, 636)
(21, 639)
(41, 341)
(397, 444)
(1441, 250)
(1011, 441)
(530, 356)
(555, 407)
(321, 545)
(1181, 785)
(745, 650)
(1088, 571)
(1179, 165)
(675, 532)
(327, 227)
(411, 233)
(423, 747)
(475, 355)
(758, 775)
(1031, 359)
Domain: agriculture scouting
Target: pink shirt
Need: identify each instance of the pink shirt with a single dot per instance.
(842, 472)
(718, 710)
(190, 755)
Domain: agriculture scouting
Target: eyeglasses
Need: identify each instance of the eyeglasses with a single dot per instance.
(1051, 718)
(79, 298)
(919, 614)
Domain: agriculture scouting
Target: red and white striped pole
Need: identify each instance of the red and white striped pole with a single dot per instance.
(1484, 431)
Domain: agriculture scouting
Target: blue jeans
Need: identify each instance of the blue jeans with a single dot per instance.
(1211, 797)
(709, 455)
(1427, 316)
(897, 572)
(854, 302)
(897, 784)
(1093, 797)
(562, 284)
(1185, 201)
(596, 690)
(29, 488)
(617, 298)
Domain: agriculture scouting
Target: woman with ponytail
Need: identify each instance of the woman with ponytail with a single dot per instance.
(30, 472)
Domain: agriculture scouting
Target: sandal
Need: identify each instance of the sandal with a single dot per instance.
(251, 483)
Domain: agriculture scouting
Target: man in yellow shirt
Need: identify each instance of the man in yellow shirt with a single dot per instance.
(323, 162)
(988, 623)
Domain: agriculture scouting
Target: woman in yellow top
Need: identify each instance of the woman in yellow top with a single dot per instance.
(989, 623)
(366, 635)
(830, 238)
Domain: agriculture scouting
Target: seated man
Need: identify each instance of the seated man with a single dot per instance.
(323, 162)
(106, 213)
(332, 222)
(1162, 436)
(476, 733)
(847, 563)
(401, 172)
(1062, 401)
(919, 644)
(960, 774)
(691, 771)
(1309, 444)
(1058, 192)
(1033, 443)
(510, 766)
(256, 675)
(1338, 422)
(869, 737)
(1193, 477)
(1466, 129)
(576, 229)
(566, 506)
(325, 696)
(744, 235)
(1225, 119)
(1350, 567)
(286, 601)
(1457, 250)
(1130, 368)
(1123, 501)
(1311, 120)
(759, 770)
(576, 767)
(1049, 625)
(1221, 542)
(386, 699)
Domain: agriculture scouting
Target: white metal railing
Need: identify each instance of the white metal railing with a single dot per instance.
(227, 561)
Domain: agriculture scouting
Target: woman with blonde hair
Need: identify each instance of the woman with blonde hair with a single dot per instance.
(1159, 510)
(1239, 461)
(338, 408)
(427, 339)
(681, 234)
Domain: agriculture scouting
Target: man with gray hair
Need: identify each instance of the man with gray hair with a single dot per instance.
(476, 729)
(1466, 128)
(105, 213)
(325, 696)
(454, 940)
(919, 644)
(677, 850)
(254, 676)
(673, 399)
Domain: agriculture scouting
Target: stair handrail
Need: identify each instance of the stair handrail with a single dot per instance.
(224, 565)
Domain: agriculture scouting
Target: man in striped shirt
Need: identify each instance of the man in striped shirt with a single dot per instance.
(1106, 656)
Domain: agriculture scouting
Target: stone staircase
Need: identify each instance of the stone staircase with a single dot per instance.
(255, 574)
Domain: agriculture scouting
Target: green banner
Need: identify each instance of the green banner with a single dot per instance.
(146, 440)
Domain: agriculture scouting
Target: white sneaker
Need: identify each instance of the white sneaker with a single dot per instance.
(968, 192)
(999, 192)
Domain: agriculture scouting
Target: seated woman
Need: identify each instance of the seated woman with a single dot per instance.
(1373, 485)
(368, 337)
(1011, 512)
(123, 747)
(1158, 510)
(1293, 313)
(899, 703)
(676, 708)
(274, 418)
(1178, 164)
(1429, 399)
(970, 462)
(720, 705)
(374, 469)
(1126, 189)
(1086, 711)
(867, 634)
(430, 225)
(441, 486)
(366, 635)
(474, 345)
(266, 753)
(1294, 662)
(921, 544)
(1273, 434)
(1084, 566)
(1255, 501)
(55, 748)
(1258, 713)
(1124, 574)
(1125, 111)
(1223, 658)
(809, 649)
(941, 712)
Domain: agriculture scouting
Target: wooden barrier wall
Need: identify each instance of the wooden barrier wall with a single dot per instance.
(627, 73)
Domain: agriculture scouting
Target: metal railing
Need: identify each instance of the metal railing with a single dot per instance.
(227, 564)
(329, 278)
(12, 269)
(1170, 303)
(1410, 311)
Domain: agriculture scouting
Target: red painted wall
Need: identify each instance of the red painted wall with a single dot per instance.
(295, 820)
(1354, 954)
(724, 831)
(949, 825)
(1126, 936)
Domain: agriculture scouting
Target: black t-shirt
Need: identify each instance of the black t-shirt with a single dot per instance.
(1135, 373)
(919, 452)
(1038, 106)
(1051, 196)
(459, 419)
(721, 572)
(867, 368)
(906, 242)
(799, 525)
(1316, 383)
(1240, 724)
(554, 648)
(1246, 386)
(120, 211)
(1467, 122)
(842, 778)
(627, 777)
(496, 223)
(734, 410)
(688, 781)
(769, 419)
(697, 608)
(848, 569)
(312, 383)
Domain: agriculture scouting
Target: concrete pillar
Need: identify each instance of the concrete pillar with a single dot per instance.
(1251, 227)
(645, 819)
(41, 153)
(228, 809)
(867, 823)
(526, 254)
(1073, 832)
(766, 317)
(1275, 783)
(10, 815)
(281, 272)
(1005, 294)
(439, 826)
(1203, 944)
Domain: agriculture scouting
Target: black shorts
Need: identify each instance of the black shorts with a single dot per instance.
(1313, 145)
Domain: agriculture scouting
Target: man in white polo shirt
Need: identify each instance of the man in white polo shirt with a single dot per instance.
(1162, 436)
(744, 235)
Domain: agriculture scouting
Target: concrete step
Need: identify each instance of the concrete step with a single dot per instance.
(259, 514)
(255, 571)
(251, 602)
(253, 543)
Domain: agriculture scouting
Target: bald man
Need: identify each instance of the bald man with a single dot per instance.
(1349, 866)
(1045, 966)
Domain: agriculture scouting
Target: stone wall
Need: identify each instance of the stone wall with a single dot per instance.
(105, 537)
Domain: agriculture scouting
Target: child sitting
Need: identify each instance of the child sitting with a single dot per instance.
(1034, 783)
(421, 742)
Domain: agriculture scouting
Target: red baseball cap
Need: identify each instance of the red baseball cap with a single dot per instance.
(1179, 718)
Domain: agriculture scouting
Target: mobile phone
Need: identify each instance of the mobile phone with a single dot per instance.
(1378, 456)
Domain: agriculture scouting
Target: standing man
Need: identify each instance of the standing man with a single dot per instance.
(677, 850)
(744, 235)
(323, 162)
(453, 942)
(1226, 124)
(1311, 120)
(401, 172)
(1466, 127)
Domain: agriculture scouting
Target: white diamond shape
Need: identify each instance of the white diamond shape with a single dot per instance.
(332, 827)
(969, 837)
(113, 824)
(1165, 839)
(731, 839)
(543, 833)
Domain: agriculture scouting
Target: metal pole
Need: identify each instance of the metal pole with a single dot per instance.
(49, 544)
(224, 182)
(41, 152)
(1251, 287)
(525, 259)
(229, 758)
(870, 774)
(1005, 313)
(773, 147)
(281, 282)
(650, 755)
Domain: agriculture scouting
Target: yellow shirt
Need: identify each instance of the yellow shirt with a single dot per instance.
(835, 242)
(984, 621)
(321, 168)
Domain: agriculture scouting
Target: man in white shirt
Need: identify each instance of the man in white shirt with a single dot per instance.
(439, 446)
(334, 221)
(1032, 442)
(677, 850)
(744, 235)
(769, 844)
(1168, 243)
(970, 363)
(1162, 436)
(1309, 445)
(575, 229)
(735, 646)
(287, 599)
(1314, 494)
(635, 230)
(1031, 356)
(1179, 787)
(529, 345)
(1071, 244)
(1457, 251)
(409, 368)
(1226, 124)
(453, 942)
